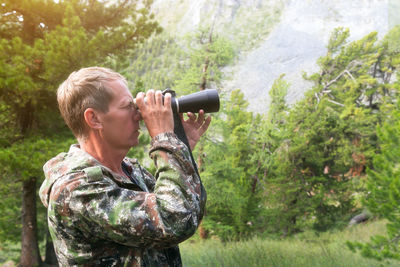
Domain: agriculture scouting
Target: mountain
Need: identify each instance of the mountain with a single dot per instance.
(275, 37)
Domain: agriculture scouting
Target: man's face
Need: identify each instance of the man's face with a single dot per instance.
(121, 122)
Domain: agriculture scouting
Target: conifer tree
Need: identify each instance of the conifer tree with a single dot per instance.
(383, 197)
(233, 204)
(203, 69)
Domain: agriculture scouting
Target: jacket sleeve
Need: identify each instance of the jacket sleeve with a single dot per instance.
(162, 218)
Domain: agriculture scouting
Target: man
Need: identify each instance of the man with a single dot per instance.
(104, 209)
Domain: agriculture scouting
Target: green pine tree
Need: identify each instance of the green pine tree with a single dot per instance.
(383, 185)
(233, 205)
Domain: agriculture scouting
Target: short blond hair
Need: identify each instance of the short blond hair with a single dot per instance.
(86, 88)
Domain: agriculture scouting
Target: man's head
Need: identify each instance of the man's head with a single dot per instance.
(83, 89)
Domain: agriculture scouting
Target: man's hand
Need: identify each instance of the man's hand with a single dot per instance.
(156, 115)
(195, 127)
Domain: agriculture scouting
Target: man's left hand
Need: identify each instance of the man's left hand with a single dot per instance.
(195, 126)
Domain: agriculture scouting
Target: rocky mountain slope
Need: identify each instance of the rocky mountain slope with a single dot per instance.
(275, 37)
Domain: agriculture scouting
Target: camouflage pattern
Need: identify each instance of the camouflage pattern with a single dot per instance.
(99, 218)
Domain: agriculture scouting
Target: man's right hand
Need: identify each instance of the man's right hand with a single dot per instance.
(156, 115)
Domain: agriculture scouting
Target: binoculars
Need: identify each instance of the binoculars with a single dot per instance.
(207, 100)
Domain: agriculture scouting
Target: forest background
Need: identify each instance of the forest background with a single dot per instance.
(305, 167)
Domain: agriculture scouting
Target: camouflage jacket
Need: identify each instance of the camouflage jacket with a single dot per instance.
(99, 218)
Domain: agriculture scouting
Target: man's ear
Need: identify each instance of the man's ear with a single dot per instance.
(92, 119)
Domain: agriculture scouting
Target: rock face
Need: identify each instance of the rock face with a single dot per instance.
(275, 37)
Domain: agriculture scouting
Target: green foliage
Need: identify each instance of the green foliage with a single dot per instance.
(154, 64)
(21, 161)
(383, 198)
(45, 47)
(9, 252)
(337, 39)
(163, 62)
(208, 54)
(233, 195)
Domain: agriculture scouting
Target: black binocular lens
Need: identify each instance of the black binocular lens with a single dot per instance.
(207, 100)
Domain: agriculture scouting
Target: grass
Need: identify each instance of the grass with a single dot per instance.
(306, 249)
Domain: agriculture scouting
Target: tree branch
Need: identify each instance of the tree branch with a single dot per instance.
(352, 65)
(336, 103)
